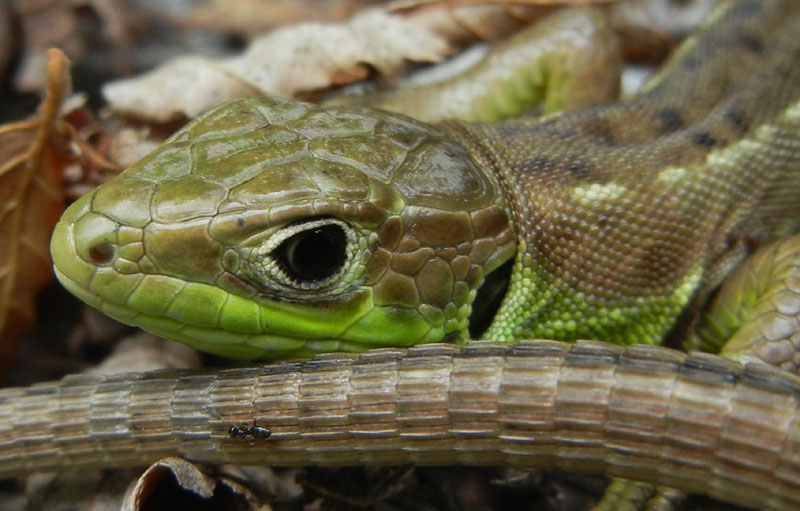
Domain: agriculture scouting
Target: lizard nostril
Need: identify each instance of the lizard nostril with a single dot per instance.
(102, 253)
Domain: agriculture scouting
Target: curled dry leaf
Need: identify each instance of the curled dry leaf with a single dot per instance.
(313, 56)
(178, 484)
(251, 17)
(303, 57)
(31, 158)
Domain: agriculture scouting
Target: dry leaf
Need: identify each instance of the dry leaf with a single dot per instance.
(314, 56)
(179, 484)
(250, 17)
(303, 57)
(30, 204)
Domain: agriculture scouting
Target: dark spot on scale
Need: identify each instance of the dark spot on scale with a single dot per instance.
(240, 222)
(598, 128)
(749, 42)
(703, 139)
(738, 120)
(670, 119)
(572, 164)
(579, 169)
(537, 165)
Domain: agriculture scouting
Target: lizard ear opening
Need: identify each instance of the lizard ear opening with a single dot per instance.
(488, 299)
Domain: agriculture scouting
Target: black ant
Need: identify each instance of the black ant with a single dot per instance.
(255, 432)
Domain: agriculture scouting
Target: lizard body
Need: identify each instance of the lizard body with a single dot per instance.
(613, 222)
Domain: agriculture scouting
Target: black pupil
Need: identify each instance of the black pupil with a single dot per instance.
(314, 254)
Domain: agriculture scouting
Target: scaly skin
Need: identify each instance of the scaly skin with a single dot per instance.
(700, 423)
(179, 244)
(617, 220)
(662, 194)
(616, 216)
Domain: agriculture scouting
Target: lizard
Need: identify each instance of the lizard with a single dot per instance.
(271, 228)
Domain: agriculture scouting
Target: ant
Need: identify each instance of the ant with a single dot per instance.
(255, 432)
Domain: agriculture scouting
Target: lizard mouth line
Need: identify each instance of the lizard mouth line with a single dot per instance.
(216, 340)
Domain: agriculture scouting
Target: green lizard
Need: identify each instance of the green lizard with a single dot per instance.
(270, 228)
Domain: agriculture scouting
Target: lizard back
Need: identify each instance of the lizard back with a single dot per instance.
(625, 213)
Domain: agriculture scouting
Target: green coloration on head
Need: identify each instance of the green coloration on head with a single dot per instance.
(271, 228)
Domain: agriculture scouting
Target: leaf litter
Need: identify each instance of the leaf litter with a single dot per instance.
(31, 161)
(292, 61)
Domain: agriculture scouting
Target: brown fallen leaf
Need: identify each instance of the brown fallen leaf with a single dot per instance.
(312, 56)
(302, 57)
(251, 17)
(31, 158)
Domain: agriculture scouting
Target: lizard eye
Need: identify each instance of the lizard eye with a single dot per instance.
(314, 254)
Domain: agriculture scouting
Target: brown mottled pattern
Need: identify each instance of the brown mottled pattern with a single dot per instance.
(685, 186)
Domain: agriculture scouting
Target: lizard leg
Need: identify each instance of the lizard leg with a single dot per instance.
(756, 314)
(626, 495)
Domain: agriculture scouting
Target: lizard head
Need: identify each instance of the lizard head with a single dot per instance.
(269, 228)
